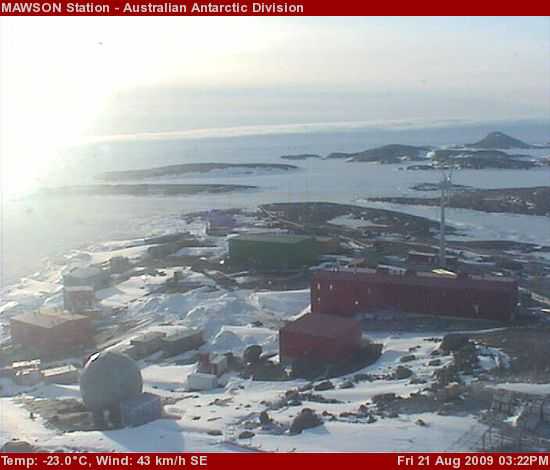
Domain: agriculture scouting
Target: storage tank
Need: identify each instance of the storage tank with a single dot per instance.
(109, 378)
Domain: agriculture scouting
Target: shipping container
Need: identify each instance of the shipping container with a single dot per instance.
(219, 365)
(32, 364)
(119, 264)
(63, 375)
(215, 364)
(140, 410)
(28, 377)
(79, 299)
(182, 341)
(199, 381)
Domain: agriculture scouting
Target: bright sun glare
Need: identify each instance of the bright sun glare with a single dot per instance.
(57, 75)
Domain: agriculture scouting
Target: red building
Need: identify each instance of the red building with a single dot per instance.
(49, 333)
(347, 292)
(319, 337)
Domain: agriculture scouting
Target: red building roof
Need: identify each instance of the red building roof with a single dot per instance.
(325, 326)
(47, 320)
(418, 278)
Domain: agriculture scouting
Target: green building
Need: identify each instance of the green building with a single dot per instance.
(273, 251)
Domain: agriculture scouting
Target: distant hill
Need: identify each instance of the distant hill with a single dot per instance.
(499, 140)
(393, 153)
(302, 156)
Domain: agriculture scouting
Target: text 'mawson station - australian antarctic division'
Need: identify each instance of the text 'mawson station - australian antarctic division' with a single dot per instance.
(165, 8)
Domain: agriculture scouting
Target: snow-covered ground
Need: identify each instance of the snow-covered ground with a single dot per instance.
(200, 251)
(231, 321)
(226, 410)
(159, 436)
(133, 289)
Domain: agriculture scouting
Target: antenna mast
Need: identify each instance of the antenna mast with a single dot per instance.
(445, 187)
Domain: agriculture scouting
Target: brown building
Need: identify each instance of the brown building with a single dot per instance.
(50, 333)
(319, 338)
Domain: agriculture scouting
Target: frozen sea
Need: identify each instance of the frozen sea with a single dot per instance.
(37, 228)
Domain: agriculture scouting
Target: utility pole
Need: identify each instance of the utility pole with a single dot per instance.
(445, 186)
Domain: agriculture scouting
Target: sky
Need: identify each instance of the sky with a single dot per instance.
(63, 79)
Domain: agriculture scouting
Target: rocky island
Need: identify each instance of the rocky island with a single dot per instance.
(319, 216)
(486, 153)
(528, 201)
(142, 189)
(392, 153)
(191, 168)
(482, 159)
